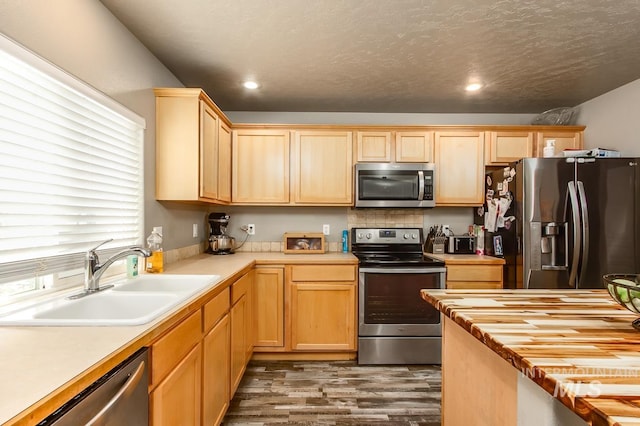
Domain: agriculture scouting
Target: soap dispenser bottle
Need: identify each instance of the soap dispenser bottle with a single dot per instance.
(550, 149)
(155, 262)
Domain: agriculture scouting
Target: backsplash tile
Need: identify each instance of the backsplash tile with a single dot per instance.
(385, 218)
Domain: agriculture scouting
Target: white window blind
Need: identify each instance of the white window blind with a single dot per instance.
(71, 168)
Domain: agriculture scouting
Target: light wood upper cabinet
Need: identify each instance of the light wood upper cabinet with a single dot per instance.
(503, 147)
(414, 147)
(269, 307)
(189, 166)
(565, 139)
(373, 147)
(208, 152)
(322, 168)
(260, 167)
(224, 162)
(459, 160)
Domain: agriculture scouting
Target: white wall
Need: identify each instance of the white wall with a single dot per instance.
(85, 39)
(612, 120)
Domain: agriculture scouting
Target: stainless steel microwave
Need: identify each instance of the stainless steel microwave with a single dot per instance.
(399, 185)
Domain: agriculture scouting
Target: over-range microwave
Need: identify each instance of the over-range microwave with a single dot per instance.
(399, 185)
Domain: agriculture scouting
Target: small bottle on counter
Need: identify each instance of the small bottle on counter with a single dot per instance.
(155, 262)
(132, 266)
(345, 241)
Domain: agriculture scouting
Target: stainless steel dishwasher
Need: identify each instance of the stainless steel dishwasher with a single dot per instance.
(118, 398)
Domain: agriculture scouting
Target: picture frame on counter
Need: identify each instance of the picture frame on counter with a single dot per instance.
(497, 245)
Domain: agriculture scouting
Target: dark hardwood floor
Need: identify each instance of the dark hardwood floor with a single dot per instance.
(336, 393)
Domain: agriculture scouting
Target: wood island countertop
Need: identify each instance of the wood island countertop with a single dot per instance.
(42, 367)
(558, 338)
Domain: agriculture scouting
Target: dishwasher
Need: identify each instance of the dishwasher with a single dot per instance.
(120, 398)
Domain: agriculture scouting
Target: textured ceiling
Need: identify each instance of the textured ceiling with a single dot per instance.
(392, 55)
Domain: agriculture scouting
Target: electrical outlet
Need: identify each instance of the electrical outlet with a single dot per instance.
(195, 230)
(446, 230)
(251, 229)
(326, 229)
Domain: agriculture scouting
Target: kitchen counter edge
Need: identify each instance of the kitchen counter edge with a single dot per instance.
(32, 350)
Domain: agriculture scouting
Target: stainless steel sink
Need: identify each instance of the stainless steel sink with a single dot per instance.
(130, 302)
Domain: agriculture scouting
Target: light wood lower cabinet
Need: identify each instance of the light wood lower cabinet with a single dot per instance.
(268, 288)
(241, 325)
(322, 307)
(474, 276)
(216, 369)
(176, 375)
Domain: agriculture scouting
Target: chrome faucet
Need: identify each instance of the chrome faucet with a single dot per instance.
(93, 269)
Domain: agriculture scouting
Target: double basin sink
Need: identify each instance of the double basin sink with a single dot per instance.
(132, 301)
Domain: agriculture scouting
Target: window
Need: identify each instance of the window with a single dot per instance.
(71, 173)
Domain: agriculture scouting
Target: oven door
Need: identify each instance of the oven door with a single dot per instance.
(390, 303)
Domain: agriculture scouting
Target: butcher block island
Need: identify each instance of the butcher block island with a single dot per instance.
(537, 357)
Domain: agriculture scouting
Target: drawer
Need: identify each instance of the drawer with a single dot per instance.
(474, 273)
(216, 309)
(240, 287)
(167, 352)
(474, 285)
(323, 273)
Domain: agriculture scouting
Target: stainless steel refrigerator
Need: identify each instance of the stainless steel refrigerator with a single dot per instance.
(574, 220)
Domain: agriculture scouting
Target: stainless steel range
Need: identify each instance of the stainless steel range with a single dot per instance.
(395, 326)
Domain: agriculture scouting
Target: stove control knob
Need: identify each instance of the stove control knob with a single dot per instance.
(369, 235)
(360, 235)
(414, 236)
(405, 236)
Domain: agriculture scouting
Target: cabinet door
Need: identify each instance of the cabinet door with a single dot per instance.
(322, 167)
(414, 147)
(208, 152)
(269, 307)
(505, 147)
(565, 139)
(373, 147)
(323, 316)
(241, 327)
(216, 373)
(224, 162)
(176, 400)
(238, 341)
(459, 163)
(260, 167)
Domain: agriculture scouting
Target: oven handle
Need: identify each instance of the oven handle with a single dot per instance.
(434, 270)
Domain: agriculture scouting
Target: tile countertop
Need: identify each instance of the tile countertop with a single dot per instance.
(559, 338)
(44, 365)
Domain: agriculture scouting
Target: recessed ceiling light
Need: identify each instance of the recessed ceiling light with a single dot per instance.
(473, 87)
(250, 85)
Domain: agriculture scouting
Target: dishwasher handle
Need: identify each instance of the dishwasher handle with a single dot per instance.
(126, 389)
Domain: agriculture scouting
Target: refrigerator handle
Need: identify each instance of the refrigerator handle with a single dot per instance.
(585, 231)
(577, 241)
